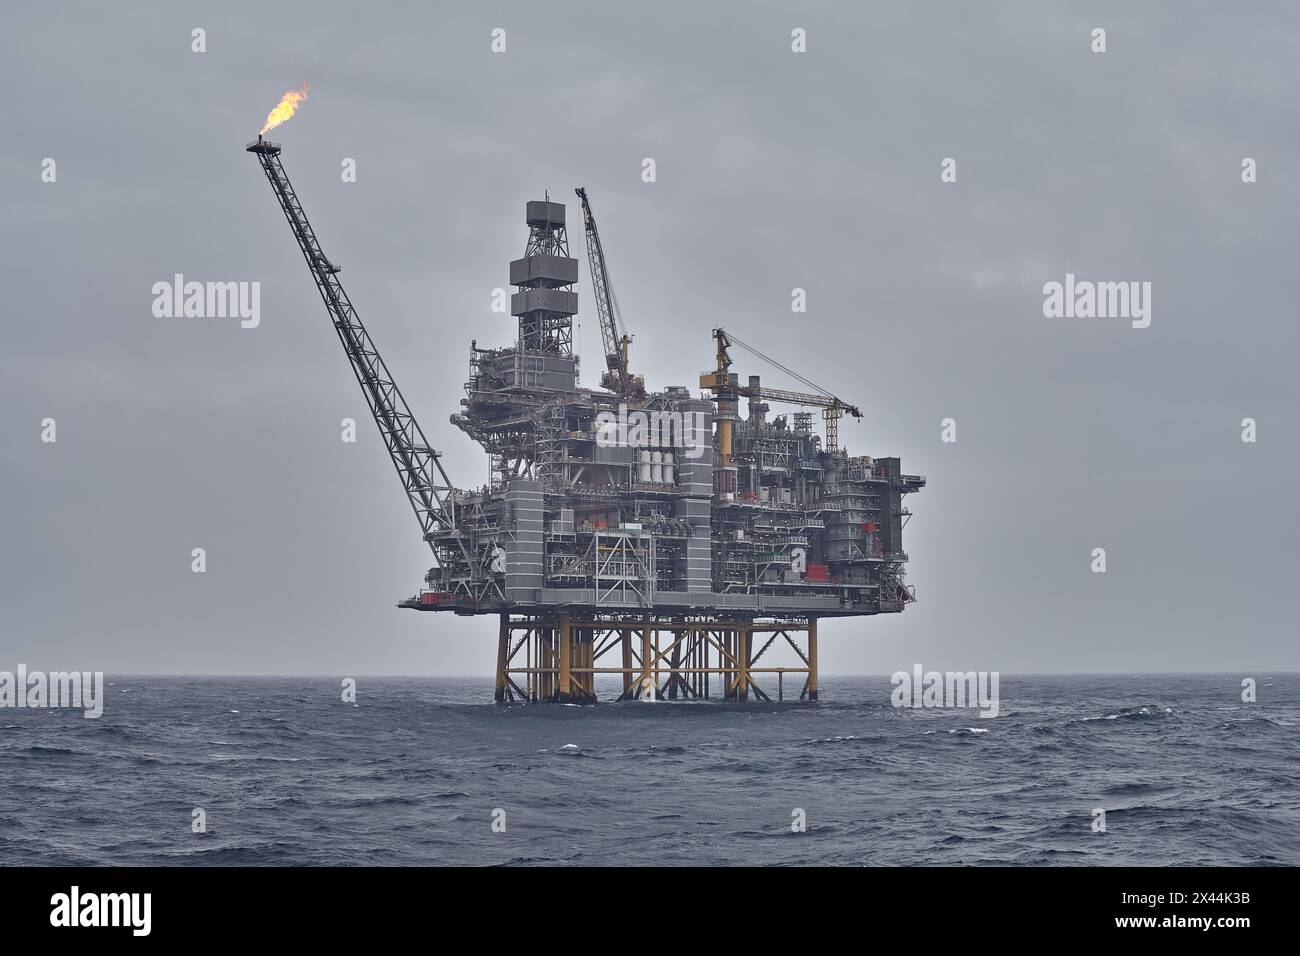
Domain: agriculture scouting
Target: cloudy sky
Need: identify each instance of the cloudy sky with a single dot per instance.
(775, 170)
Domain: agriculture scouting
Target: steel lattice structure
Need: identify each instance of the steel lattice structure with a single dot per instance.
(418, 466)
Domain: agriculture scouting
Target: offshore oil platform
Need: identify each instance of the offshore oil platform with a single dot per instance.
(654, 535)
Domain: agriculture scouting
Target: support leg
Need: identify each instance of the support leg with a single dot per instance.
(625, 638)
(564, 637)
(647, 678)
(812, 658)
(676, 657)
(503, 652)
(742, 657)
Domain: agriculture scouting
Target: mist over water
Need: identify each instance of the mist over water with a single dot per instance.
(289, 774)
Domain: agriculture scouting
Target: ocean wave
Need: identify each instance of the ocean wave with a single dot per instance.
(1134, 789)
(1143, 712)
(40, 750)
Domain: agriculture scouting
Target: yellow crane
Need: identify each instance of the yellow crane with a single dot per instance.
(726, 386)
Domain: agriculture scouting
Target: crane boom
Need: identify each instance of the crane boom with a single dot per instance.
(799, 398)
(613, 337)
(418, 466)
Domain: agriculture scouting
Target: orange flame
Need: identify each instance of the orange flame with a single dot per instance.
(284, 109)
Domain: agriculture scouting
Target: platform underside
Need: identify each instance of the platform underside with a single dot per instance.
(582, 601)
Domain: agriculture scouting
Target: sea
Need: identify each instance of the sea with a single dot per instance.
(1079, 770)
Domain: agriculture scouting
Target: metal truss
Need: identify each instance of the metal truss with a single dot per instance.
(428, 488)
(556, 657)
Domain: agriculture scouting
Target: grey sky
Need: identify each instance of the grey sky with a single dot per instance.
(775, 170)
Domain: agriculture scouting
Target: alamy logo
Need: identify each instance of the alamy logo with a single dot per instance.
(952, 689)
(103, 909)
(687, 432)
(208, 300)
(80, 690)
(1083, 299)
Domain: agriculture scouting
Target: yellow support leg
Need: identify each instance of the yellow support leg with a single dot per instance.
(812, 658)
(564, 636)
(503, 651)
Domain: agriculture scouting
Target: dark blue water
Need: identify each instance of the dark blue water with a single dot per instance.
(289, 774)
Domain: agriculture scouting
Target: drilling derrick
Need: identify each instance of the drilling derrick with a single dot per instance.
(545, 303)
(658, 538)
